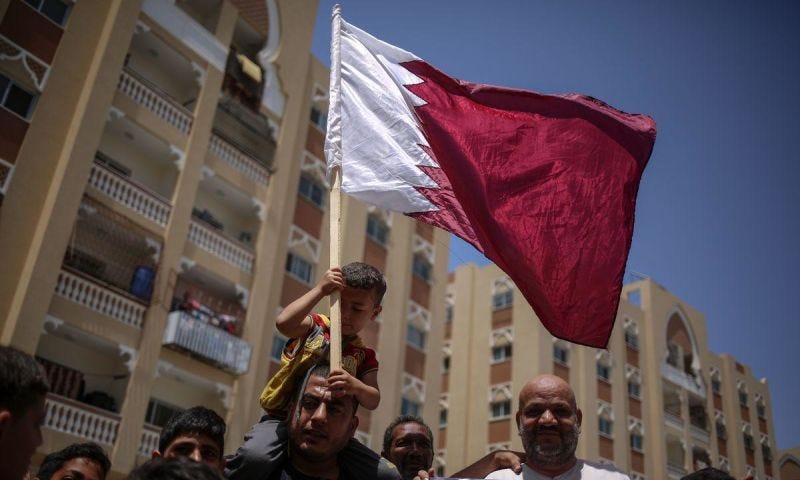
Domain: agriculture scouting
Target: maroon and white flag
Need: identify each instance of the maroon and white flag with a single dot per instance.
(543, 185)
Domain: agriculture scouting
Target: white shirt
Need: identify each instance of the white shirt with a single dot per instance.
(582, 470)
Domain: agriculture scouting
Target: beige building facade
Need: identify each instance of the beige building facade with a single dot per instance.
(657, 403)
(163, 195)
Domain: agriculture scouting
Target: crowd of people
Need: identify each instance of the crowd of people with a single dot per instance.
(310, 416)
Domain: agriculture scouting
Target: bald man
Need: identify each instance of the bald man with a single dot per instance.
(549, 423)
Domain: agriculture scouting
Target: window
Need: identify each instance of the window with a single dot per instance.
(318, 118)
(742, 398)
(748, 441)
(632, 340)
(440, 471)
(674, 355)
(722, 432)
(55, 10)
(278, 344)
(410, 407)
(603, 372)
(560, 354)
(605, 426)
(448, 313)
(377, 230)
(501, 353)
(15, 98)
(422, 268)
(443, 417)
(299, 267)
(761, 410)
(501, 409)
(415, 336)
(716, 385)
(637, 441)
(158, 412)
(766, 453)
(311, 191)
(634, 389)
(503, 300)
(446, 364)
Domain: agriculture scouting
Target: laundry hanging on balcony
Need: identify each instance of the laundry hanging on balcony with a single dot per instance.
(249, 68)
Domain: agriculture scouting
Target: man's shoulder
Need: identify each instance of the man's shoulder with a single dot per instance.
(504, 474)
(603, 471)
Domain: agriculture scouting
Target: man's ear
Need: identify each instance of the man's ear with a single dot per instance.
(353, 425)
(155, 454)
(580, 417)
(5, 420)
(519, 422)
(376, 311)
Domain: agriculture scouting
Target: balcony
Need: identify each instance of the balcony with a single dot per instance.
(675, 471)
(237, 158)
(83, 290)
(699, 434)
(154, 99)
(128, 192)
(149, 440)
(80, 420)
(207, 342)
(673, 420)
(217, 244)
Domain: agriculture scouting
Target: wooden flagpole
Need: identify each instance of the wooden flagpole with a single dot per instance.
(335, 209)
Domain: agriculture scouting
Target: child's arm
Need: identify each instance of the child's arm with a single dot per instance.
(293, 321)
(365, 390)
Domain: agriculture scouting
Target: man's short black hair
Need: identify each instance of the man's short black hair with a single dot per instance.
(90, 451)
(22, 380)
(364, 276)
(709, 473)
(177, 468)
(196, 420)
(387, 435)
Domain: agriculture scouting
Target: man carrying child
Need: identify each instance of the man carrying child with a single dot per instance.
(361, 287)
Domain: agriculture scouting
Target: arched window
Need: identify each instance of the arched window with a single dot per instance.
(412, 395)
(631, 333)
(561, 352)
(605, 419)
(604, 362)
(716, 380)
(500, 342)
(633, 376)
(675, 453)
(500, 398)
(636, 434)
(741, 388)
(502, 293)
(378, 228)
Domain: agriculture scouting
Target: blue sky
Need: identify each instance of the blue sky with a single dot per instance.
(718, 217)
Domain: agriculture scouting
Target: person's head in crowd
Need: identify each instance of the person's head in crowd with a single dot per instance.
(23, 388)
(709, 473)
(79, 461)
(197, 434)
(361, 299)
(549, 423)
(319, 425)
(408, 443)
(177, 468)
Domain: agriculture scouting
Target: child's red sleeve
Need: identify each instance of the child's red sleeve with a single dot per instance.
(369, 364)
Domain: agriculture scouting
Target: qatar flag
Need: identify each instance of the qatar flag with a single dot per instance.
(543, 185)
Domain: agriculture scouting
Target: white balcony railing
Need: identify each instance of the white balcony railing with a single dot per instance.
(699, 433)
(100, 299)
(129, 194)
(154, 101)
(238, 160)
(149, 440)
(673, 420)
(81, 420)
(675, 471)
(211, 343)
(219, 246)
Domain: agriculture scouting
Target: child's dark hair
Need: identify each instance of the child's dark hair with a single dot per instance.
(90, 451)
(363, 276)
(196, 420)
(179, 468)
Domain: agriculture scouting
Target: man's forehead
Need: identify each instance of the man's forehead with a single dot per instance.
(194, 438)
(317, 388)
(409, 429)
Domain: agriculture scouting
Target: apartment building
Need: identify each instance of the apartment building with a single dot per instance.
(163, 195)
(657, 403)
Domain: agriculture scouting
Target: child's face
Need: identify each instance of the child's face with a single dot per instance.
(358, 309)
